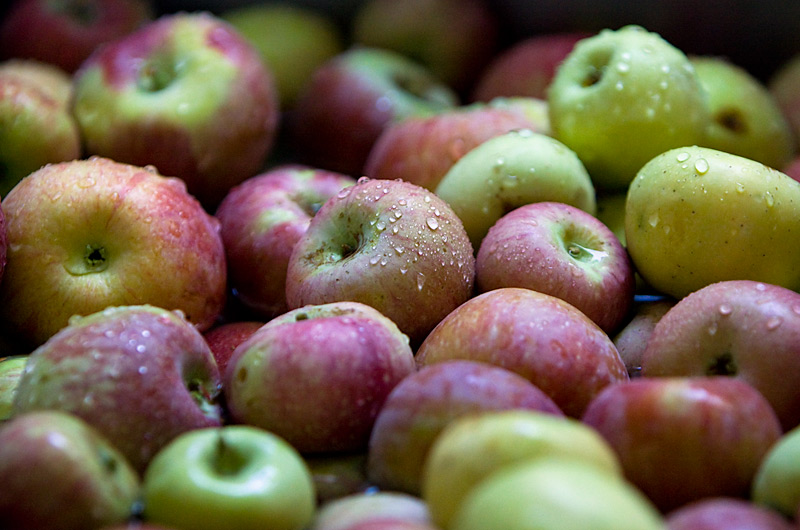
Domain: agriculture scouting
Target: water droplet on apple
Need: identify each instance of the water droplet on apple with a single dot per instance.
(725, 309)
(623, 67)
(701, 166)
(712, 329)
(343, 193)
(432, 223)
(420, 281)
(381, 226)
(142, 370)
(769, 199)
(619, 86)
(773, 323)
(374, 260)
(653, 219)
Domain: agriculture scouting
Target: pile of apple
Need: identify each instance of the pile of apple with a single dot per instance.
(258, 270)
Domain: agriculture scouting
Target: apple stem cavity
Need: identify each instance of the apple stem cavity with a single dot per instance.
(156, 75)
(227, 460)
(722, 365)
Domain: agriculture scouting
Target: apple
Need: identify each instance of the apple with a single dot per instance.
(185, 93)
(223, 339)
(293, 41)
(563, 251)
(526, 67)
(472, 448)
(11, 369)
(775, 484)
(421, 149)
(538, 336)
(338, 475)
(425, 402)
(140, 375)
(346, 512)
(352, 97)
(632, 339)
(261, 219)
(611, 212)
(47, 77)
(681, 439)
(59, 472)
(536, 110)
(746, 119)
(232, 477)
(695, 216)
(508, 171)
(555, 494)
(65, 32)
(87, 234)
(623, 96)
(726, 513)
(782, 84)
(389, 244)
(453, 38)
(318, 375)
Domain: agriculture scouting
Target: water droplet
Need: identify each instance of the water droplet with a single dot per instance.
(682, 156)
(381, 226)
(141, 348)
(701, 166)
(420, 281)
(773, 323)
(653, 219)
(740, 187)
(623, 67)
(142, 370)
(432, 223)
(619, 85)
(725, 309)
(374, 259)
(770, 200)
(712, 329)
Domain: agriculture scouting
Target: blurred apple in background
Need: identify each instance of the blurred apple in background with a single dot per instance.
(682, 439)
(454, 39)
(293, 41)
(508, 171)
(361, 508)
(540, 337)
(351, 98)
(425, 402)
(338, 475)
(140, 375)
(88, 234)
(65, 32)
(236, 477)
(776, 484)
(783, 84)
(186, 94)
(59, 472)
(726, 513)
(11, 368)
(563, 251)
(261, 219)
(223, 339)
(389, 244)
(317, 376)
(632, 339)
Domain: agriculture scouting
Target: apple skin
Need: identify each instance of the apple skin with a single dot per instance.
(338, 475)
(782, 84)
(389, 244)
(185, 93)
(11, 369)
(472, 448)
(261, 219)
(140, 238)
(726, 513)
(59, 472)
(318, 375)
(347, 512)
(65, 32)
(140, 375)
(632, 339)
(775, 485)
(622, 97)
(738, 328)
(232, 477)
(511, 170)
(695, 216)
(351, 98)
(225, 337)
(425, 402)
(540, 337)
(563, 251)
(681, 439)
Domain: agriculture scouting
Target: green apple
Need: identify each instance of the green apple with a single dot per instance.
(611, 212)
(777, 481)
(695, 216)
(293, 41)
(745, 117)
(622, 97)
(11, 369)
(556, 494)
(238, 476)
(472, 447)
(510, 170)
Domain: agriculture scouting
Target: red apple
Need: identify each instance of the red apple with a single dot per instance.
(225, 337)
(726, 513)
(631, 340)
(349, 511)
(540, 337)
(686, 438)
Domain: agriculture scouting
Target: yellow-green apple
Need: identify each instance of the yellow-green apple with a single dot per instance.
(318, 375)
(425, 402)
(538, 336)
(726, 513)
(526, 67)
(421, 149)
(453, 38)
(389, 244)
(471, 448)
(65, 32)
(695, 216)
(380, 505)
(185, 93)
(11, 368)
(611, 212)
(223, 339)
(352, 97)
(36, 125)
(631, 340)
(293, 41)
(776, 484)
(745, 117)
(141, 375)
(534, 109)
(558, 249)
(623, 96)
(231, 477)
(738, 328)
(681, 439)
(59, 472)
(508, 171)
(261, 219)
(556, 494)
(782, 84)
(87, 234)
